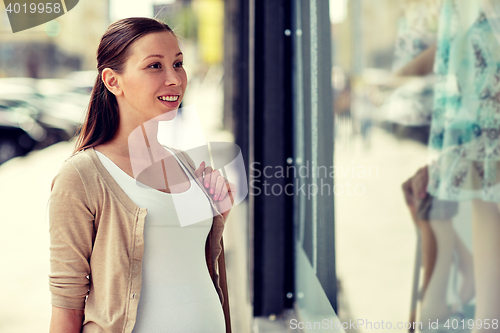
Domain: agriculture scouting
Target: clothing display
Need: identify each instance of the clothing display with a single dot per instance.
(466, 117)
(177, 293)
(97, 245)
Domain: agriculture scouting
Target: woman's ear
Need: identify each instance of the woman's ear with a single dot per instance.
(110, 79)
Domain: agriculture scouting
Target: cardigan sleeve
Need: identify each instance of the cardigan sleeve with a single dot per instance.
(71, 228)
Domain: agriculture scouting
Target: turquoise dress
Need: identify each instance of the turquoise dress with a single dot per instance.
(465, 123)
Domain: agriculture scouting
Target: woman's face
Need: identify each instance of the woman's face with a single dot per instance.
(154, 80)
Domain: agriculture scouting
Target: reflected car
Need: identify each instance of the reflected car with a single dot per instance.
(19, 130)
(56, 107)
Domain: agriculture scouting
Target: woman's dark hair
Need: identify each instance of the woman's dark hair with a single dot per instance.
(102, 118)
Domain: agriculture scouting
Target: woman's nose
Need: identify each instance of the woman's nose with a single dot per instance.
(173, 78)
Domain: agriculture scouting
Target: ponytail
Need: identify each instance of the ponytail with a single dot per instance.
(102, 118)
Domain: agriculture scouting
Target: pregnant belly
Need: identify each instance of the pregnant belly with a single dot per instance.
(177, 292)
(192, 307)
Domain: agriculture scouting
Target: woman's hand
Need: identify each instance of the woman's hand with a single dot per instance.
(218, 187)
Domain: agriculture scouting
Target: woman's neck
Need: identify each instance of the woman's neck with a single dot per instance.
(134, 138)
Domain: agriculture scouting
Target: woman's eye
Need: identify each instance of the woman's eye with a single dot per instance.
(178, 64)
(155, 65)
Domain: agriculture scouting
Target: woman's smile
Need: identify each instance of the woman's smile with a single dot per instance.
(170, 101)
(169, 98)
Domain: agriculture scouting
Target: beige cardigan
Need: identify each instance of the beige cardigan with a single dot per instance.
(96, 230)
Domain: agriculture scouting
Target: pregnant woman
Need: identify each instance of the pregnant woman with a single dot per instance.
(122, 260)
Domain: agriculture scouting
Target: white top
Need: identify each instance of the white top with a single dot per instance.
(177, 292)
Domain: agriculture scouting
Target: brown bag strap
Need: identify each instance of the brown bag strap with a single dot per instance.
(223, 284)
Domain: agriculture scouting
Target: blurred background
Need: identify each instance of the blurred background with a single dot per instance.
(295, 83)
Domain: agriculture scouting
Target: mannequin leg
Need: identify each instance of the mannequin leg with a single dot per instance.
(466, 269)
(486, 240)
(429, 251)
(448, 242)
(434, 304)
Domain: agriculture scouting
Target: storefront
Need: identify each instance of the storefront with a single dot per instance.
(332, 103)
(285, 129)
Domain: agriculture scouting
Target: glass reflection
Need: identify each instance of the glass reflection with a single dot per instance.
(418, 97)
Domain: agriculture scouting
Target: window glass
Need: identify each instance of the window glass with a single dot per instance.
(416, 150)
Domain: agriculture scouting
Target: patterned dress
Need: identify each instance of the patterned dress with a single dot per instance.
(411, 104)
(466, 116)
(417, 28)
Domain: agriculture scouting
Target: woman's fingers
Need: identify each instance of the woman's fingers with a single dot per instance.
(208, 175)
(229, 190)
(199, 171)
(219, 186)
(213, 180)
(224, 189)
